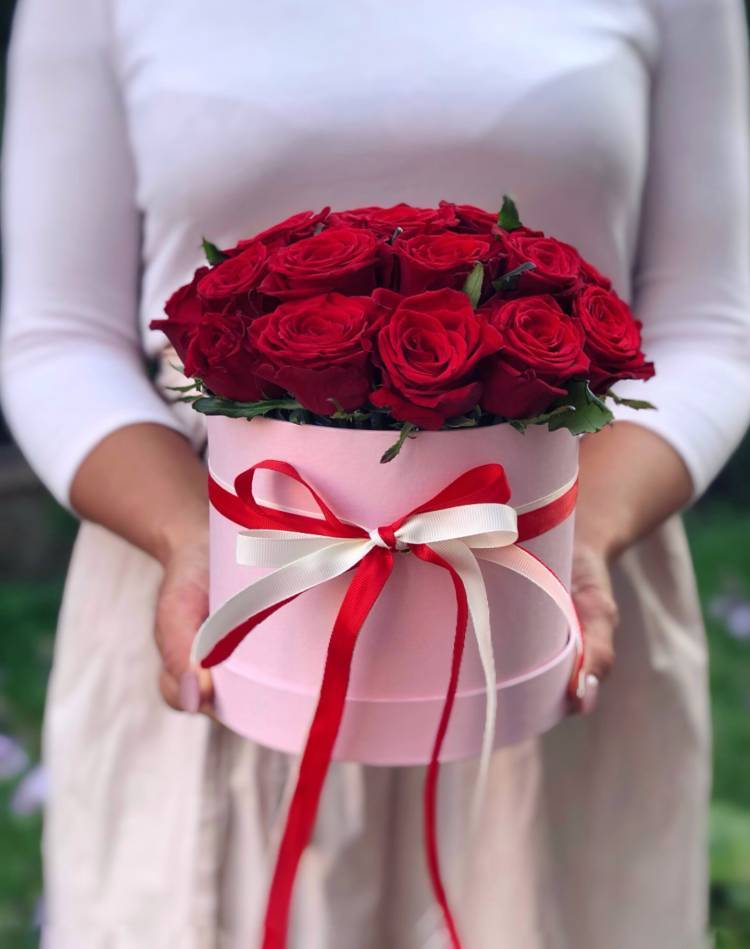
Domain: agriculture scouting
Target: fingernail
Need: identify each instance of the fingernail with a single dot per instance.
(190, 691)
(590, 695)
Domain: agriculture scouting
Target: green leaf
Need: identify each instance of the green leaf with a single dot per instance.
(213, 254)
(358, 415)
(463, 421)
(407, 431)
(508, 218)
(473, 284)
(188, 388)
(214, 405)
(341, 414)
(468, 420)
(509, 280)
(631, 403)
(586, 411)
(545, 416)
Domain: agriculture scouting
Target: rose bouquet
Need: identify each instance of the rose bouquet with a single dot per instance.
(404, 318)
(440, 323)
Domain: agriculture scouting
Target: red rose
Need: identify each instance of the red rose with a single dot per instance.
(472, 220)
(590, 275)
(384, 221)
(184, 311)
(318, 349)
(218, 353)
(340, 259)
(542, 350)
(429, 351)
(292, 229)
(234, 277)
(612, 338)
(557, 266)
(437, 261)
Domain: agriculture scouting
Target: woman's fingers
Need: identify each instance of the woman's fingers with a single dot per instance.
(597, 611)
(191, 692)
(180, 611)
(170, 690)
(598, 614)
(181, 608)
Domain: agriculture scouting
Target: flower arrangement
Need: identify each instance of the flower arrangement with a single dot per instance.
(398, 319)
(408, 319)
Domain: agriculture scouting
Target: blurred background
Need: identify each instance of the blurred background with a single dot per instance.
(35, 539)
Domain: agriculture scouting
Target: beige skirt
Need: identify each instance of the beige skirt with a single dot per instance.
(160, 828)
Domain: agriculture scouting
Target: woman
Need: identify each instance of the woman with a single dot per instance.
(134, 128)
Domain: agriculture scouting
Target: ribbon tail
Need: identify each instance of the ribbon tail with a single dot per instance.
(368, 581)
(529, 566)
(465, 563)
(433, 769)
(223, 631)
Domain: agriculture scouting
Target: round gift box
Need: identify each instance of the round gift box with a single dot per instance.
(268, 688)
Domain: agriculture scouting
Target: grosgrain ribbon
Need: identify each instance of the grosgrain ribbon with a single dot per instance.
(469, 519)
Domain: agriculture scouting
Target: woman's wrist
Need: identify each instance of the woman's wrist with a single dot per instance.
(597, 536)
(631, 480)
(187, 529)
(145, 483)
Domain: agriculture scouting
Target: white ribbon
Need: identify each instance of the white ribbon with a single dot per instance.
(458, 534)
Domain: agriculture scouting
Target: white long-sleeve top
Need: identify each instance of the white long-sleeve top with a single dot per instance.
(134, 127)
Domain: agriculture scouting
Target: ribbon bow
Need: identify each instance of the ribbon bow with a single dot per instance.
(469, 519)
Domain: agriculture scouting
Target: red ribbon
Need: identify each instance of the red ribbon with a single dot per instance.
(481, 485)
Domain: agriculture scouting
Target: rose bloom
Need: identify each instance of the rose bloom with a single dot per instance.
(437, 261)
(218, 353)
(384, 221)
(472, 220)
(557, 266)
(590, 275)
(341, 259)
(184, 311)
(234, 277)
(542, 350)
(429, 351)
(319, 350)
(294, 228)
(613, 338)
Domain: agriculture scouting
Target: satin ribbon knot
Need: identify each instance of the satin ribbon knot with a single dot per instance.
(385, 537)
(468, 521)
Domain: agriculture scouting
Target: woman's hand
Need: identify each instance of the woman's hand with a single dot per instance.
(181, 608)
(630, 480)
(147, 484)
(597, 611)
